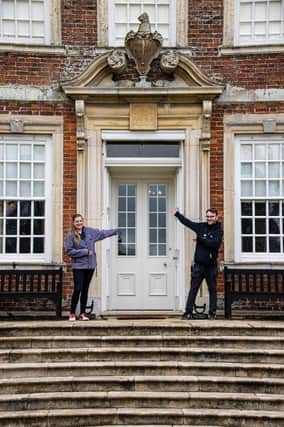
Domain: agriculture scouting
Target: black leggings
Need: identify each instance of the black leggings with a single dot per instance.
(82, 280)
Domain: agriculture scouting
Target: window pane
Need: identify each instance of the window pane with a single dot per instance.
(25, 152)
(260, 208)
(260, 170)
(246, 188)
(25, 227)
(11, 152)
(11, 245)
(148, 149)
(246, 152)
(260, 188)
(274, 244)
(273, 152)
(246, 170)
(39, 152)
(260, 152)
(11, 188)
(246, 208)
(25, 189)
(246, 226)
(247, 244)
(274, 170)
(274, 208)
(11, 226)
(260, 244)
(260, 226)
(274, 188)
(38, 245)
(39, 208)
(274, 226)
(25, 208)
(25, 171)
(11, 208)
(11, 170)
(25, 246)
(39, 189)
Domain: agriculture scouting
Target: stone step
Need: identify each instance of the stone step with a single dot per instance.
(143, 353)
(81, 369)
(27, 342)
(130, 399)
(141, 416)
(144, 383)
(162, 327)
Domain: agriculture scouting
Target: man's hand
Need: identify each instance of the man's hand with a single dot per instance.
(174, 211)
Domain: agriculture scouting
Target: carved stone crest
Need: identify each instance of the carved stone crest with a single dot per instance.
(143, 46)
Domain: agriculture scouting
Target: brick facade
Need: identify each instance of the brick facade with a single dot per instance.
(79, 38)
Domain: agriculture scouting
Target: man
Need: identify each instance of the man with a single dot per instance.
(208, 241)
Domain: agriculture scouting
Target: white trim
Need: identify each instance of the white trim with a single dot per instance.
(161, 135)
(46, 256)
(251, 257)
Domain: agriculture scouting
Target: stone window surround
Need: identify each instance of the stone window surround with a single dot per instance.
(55, 36)
(237, 125)
(53, 127)
(229, 48)
(181, 23)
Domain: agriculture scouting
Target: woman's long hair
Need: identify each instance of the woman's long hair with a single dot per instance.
(73, 231)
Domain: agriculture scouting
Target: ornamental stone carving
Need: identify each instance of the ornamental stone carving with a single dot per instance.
(117, 61)
(143, 46)
(169, 61)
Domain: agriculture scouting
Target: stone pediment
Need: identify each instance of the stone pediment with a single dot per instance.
(97, 84)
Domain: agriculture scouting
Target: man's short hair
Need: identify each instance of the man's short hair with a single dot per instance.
(213, 210)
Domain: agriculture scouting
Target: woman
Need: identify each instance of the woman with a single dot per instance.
(80, 246)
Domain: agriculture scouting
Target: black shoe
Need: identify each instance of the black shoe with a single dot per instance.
(212, 316)
(186, 316)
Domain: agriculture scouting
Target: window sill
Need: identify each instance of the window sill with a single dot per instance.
(250, 50)
(28, 48)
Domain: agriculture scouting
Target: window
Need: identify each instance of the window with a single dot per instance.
(126, 219)
(31, 22)
(157, 205)
(123, 16)
(260, 197)
(259, 22)
(24, 197)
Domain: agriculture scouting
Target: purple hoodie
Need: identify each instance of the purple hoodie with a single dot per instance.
(79, 251)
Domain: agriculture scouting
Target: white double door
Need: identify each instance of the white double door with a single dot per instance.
(143, 264)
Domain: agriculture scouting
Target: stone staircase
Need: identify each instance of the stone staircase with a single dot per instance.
(146, 372)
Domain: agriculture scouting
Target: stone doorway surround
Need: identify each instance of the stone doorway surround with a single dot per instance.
(101, 104)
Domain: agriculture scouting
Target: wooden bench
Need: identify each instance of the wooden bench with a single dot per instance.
(251, 284)
(18, 284)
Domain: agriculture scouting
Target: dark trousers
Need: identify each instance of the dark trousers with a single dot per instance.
(198, 273)
(82, 279)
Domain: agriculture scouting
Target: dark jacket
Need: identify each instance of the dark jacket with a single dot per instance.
(209, 239)
(79, 252)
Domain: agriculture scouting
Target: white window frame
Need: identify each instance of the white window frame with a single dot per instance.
(231, 44)
(253, 256)
(51, 129)
(32, 139)
(266, 40)
(178, 31)
(52, 31)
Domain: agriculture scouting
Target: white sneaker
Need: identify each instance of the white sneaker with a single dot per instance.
(72, 317)
(84, 316)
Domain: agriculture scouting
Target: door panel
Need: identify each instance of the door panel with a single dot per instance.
(142, 271)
